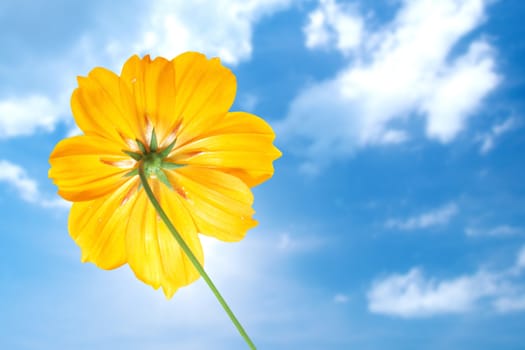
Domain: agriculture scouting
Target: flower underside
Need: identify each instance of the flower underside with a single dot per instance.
(153, 160)
(169, 120)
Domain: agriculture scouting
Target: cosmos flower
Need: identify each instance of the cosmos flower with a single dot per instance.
(171, 118)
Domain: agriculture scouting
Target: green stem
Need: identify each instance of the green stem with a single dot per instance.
(192, 257)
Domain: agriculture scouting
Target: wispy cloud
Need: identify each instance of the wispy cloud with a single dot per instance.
(25, 187)
(407, 69)
(489, 139)
(292, 244)
(414, 294)
(435, 217)
(497, 231)
(341, 298)
(510, 304)
(520, 260)
(516, 301)
(248, 101)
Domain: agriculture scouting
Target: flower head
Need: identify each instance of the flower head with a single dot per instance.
(171, 118)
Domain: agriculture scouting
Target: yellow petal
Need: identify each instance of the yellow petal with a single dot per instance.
(149, 83)
(220, 203)
(153, 254)
(80, 167)
(180, 270)
(99, 226)
(241, 144)
(205, 92)
(167, 121)
(102, 105)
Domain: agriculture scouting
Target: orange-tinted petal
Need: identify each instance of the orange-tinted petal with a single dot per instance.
(99, 226)
(102, 105)
(205, 92)
(220, 203)
(80, 167)
(241, 144)
(153, 254)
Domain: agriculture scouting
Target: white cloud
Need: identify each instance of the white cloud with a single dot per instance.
(414, 294)
(218, 28)
(488, 139)
(16, 177)
(22, 116)
(515, 301)
(407, 69)
(333, 24)
(26, 188)
(439, 216)
(457, 94)
(498, 231)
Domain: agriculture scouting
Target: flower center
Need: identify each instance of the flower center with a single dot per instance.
(152, 163)
(153, 160)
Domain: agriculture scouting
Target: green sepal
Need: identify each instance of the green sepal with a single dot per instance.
(153, 145)
(132, 172)
(166, 151)
(134, 155)
(171, 166)
(164, 179)
(142, 147)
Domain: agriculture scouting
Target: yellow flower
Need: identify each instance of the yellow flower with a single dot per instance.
(172, 118)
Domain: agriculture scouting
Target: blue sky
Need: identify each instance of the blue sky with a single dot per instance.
(395, 216)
